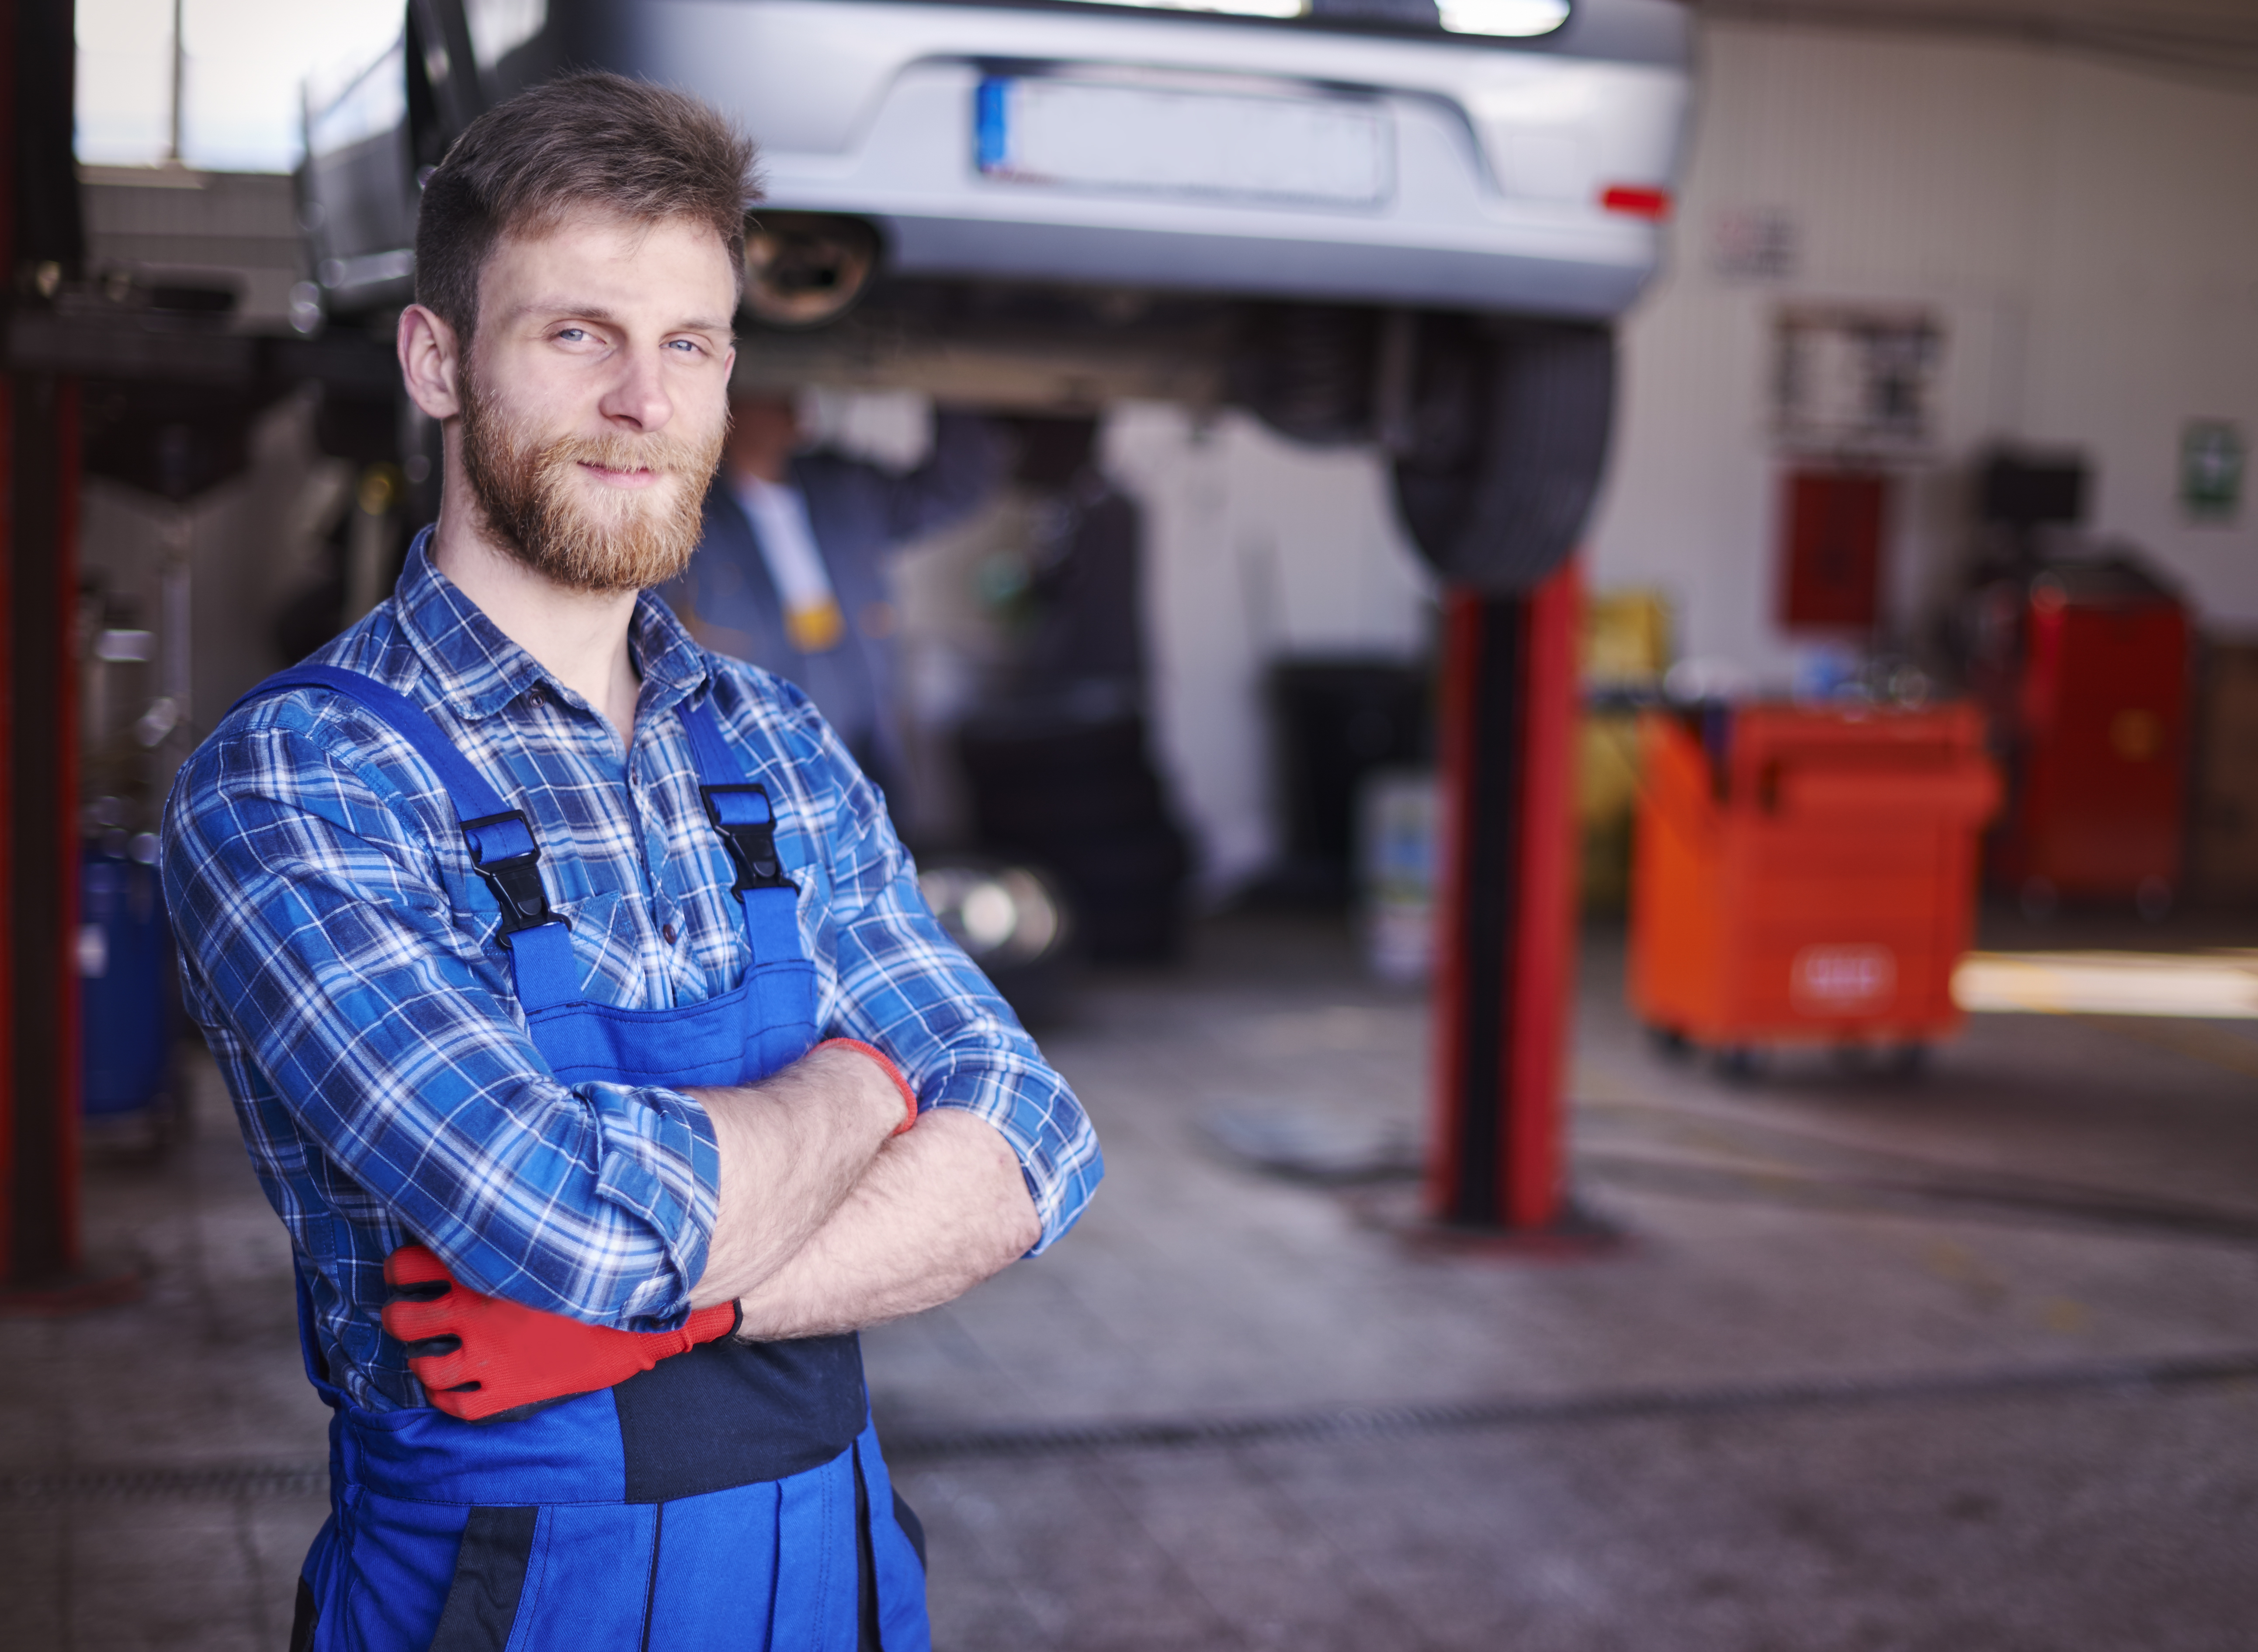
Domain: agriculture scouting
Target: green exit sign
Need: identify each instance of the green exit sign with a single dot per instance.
(2210, 469)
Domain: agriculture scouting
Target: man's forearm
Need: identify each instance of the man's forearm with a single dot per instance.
(791, 1148)
(938, 1210)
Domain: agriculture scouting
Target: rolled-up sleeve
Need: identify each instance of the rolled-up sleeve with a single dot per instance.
(905, 986)
(316, 929)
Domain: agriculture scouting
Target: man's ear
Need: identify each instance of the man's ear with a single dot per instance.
(429, 363)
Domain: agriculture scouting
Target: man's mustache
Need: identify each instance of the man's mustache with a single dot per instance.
(664, 455)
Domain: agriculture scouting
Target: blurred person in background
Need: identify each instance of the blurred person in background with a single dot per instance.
(792, 573)
(1058, 766)
(584, 1217)
(1085, 640)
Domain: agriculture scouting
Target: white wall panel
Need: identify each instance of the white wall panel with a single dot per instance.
(2088, 232)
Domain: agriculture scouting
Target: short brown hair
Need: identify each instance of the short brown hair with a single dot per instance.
(586, 141)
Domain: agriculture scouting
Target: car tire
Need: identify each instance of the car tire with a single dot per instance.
(1504, 442)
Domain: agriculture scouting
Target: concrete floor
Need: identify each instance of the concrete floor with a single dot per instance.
(1969, 1363)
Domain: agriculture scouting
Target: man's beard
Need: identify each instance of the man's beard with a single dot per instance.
(535, 504)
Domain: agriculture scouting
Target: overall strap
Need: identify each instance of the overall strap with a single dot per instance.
(742, 814)
(500, 838)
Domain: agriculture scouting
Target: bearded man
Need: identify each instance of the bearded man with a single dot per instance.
(575, 994)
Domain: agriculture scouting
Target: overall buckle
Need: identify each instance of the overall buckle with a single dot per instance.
(751, 843)
(514, 873)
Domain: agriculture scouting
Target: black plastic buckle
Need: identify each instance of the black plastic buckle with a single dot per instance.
(516, 879)
(751, 844)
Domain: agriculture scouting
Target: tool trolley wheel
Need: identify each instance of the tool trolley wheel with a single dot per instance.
(1905, 1060)
(1737, 1063)
(1669, 1043)
(1910, 1060)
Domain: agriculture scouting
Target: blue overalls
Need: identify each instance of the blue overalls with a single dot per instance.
(733, 1496)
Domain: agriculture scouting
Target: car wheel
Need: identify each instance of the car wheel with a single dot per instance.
(1503, 440)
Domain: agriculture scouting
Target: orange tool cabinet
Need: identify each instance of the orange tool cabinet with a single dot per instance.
(1806, 876)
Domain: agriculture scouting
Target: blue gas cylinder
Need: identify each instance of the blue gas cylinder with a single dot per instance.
(125, 963)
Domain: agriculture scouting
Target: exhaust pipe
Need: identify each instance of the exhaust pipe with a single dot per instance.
(806, 269)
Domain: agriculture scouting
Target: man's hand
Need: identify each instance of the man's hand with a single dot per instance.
(478, 1355)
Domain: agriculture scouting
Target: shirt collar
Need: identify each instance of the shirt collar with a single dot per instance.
(673, 666)
(479, 670)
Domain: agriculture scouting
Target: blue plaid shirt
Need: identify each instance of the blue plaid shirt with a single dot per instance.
(339, 953)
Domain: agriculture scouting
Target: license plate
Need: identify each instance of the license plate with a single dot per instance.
(1159, 140)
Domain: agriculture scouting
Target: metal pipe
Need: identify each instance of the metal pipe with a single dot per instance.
(180, 78)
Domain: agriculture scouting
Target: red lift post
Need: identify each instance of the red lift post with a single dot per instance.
(39, 251)
(1505, 938)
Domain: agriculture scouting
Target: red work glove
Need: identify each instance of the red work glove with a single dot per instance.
(504, 1355)
(909, 1095)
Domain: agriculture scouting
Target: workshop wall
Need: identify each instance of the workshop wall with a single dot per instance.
(2084, 229)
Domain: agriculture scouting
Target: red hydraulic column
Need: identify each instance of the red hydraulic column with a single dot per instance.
(1505, 938)
(40, 1079)
(39, 238)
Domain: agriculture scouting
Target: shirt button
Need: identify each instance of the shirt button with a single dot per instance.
(668, 931)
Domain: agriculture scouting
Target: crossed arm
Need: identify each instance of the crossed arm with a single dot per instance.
(829, 1222)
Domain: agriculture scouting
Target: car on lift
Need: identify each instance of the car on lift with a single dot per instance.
(1406, 223)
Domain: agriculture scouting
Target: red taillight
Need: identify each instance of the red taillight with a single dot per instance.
(1635, 201)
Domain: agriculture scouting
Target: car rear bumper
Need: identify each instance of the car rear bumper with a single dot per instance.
(1277, 265)
(1496, 162)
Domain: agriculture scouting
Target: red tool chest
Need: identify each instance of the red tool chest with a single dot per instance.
(2098, 739)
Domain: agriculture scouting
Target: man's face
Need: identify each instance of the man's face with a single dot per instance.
(594, 397)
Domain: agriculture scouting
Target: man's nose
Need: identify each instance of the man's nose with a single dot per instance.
(637, 395)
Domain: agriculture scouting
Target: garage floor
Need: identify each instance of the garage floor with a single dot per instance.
(1969, 1363)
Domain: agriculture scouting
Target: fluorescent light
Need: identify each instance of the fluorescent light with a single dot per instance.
(1228, 8)
(1517, 18)
(2216, 986)
(1512, 18)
